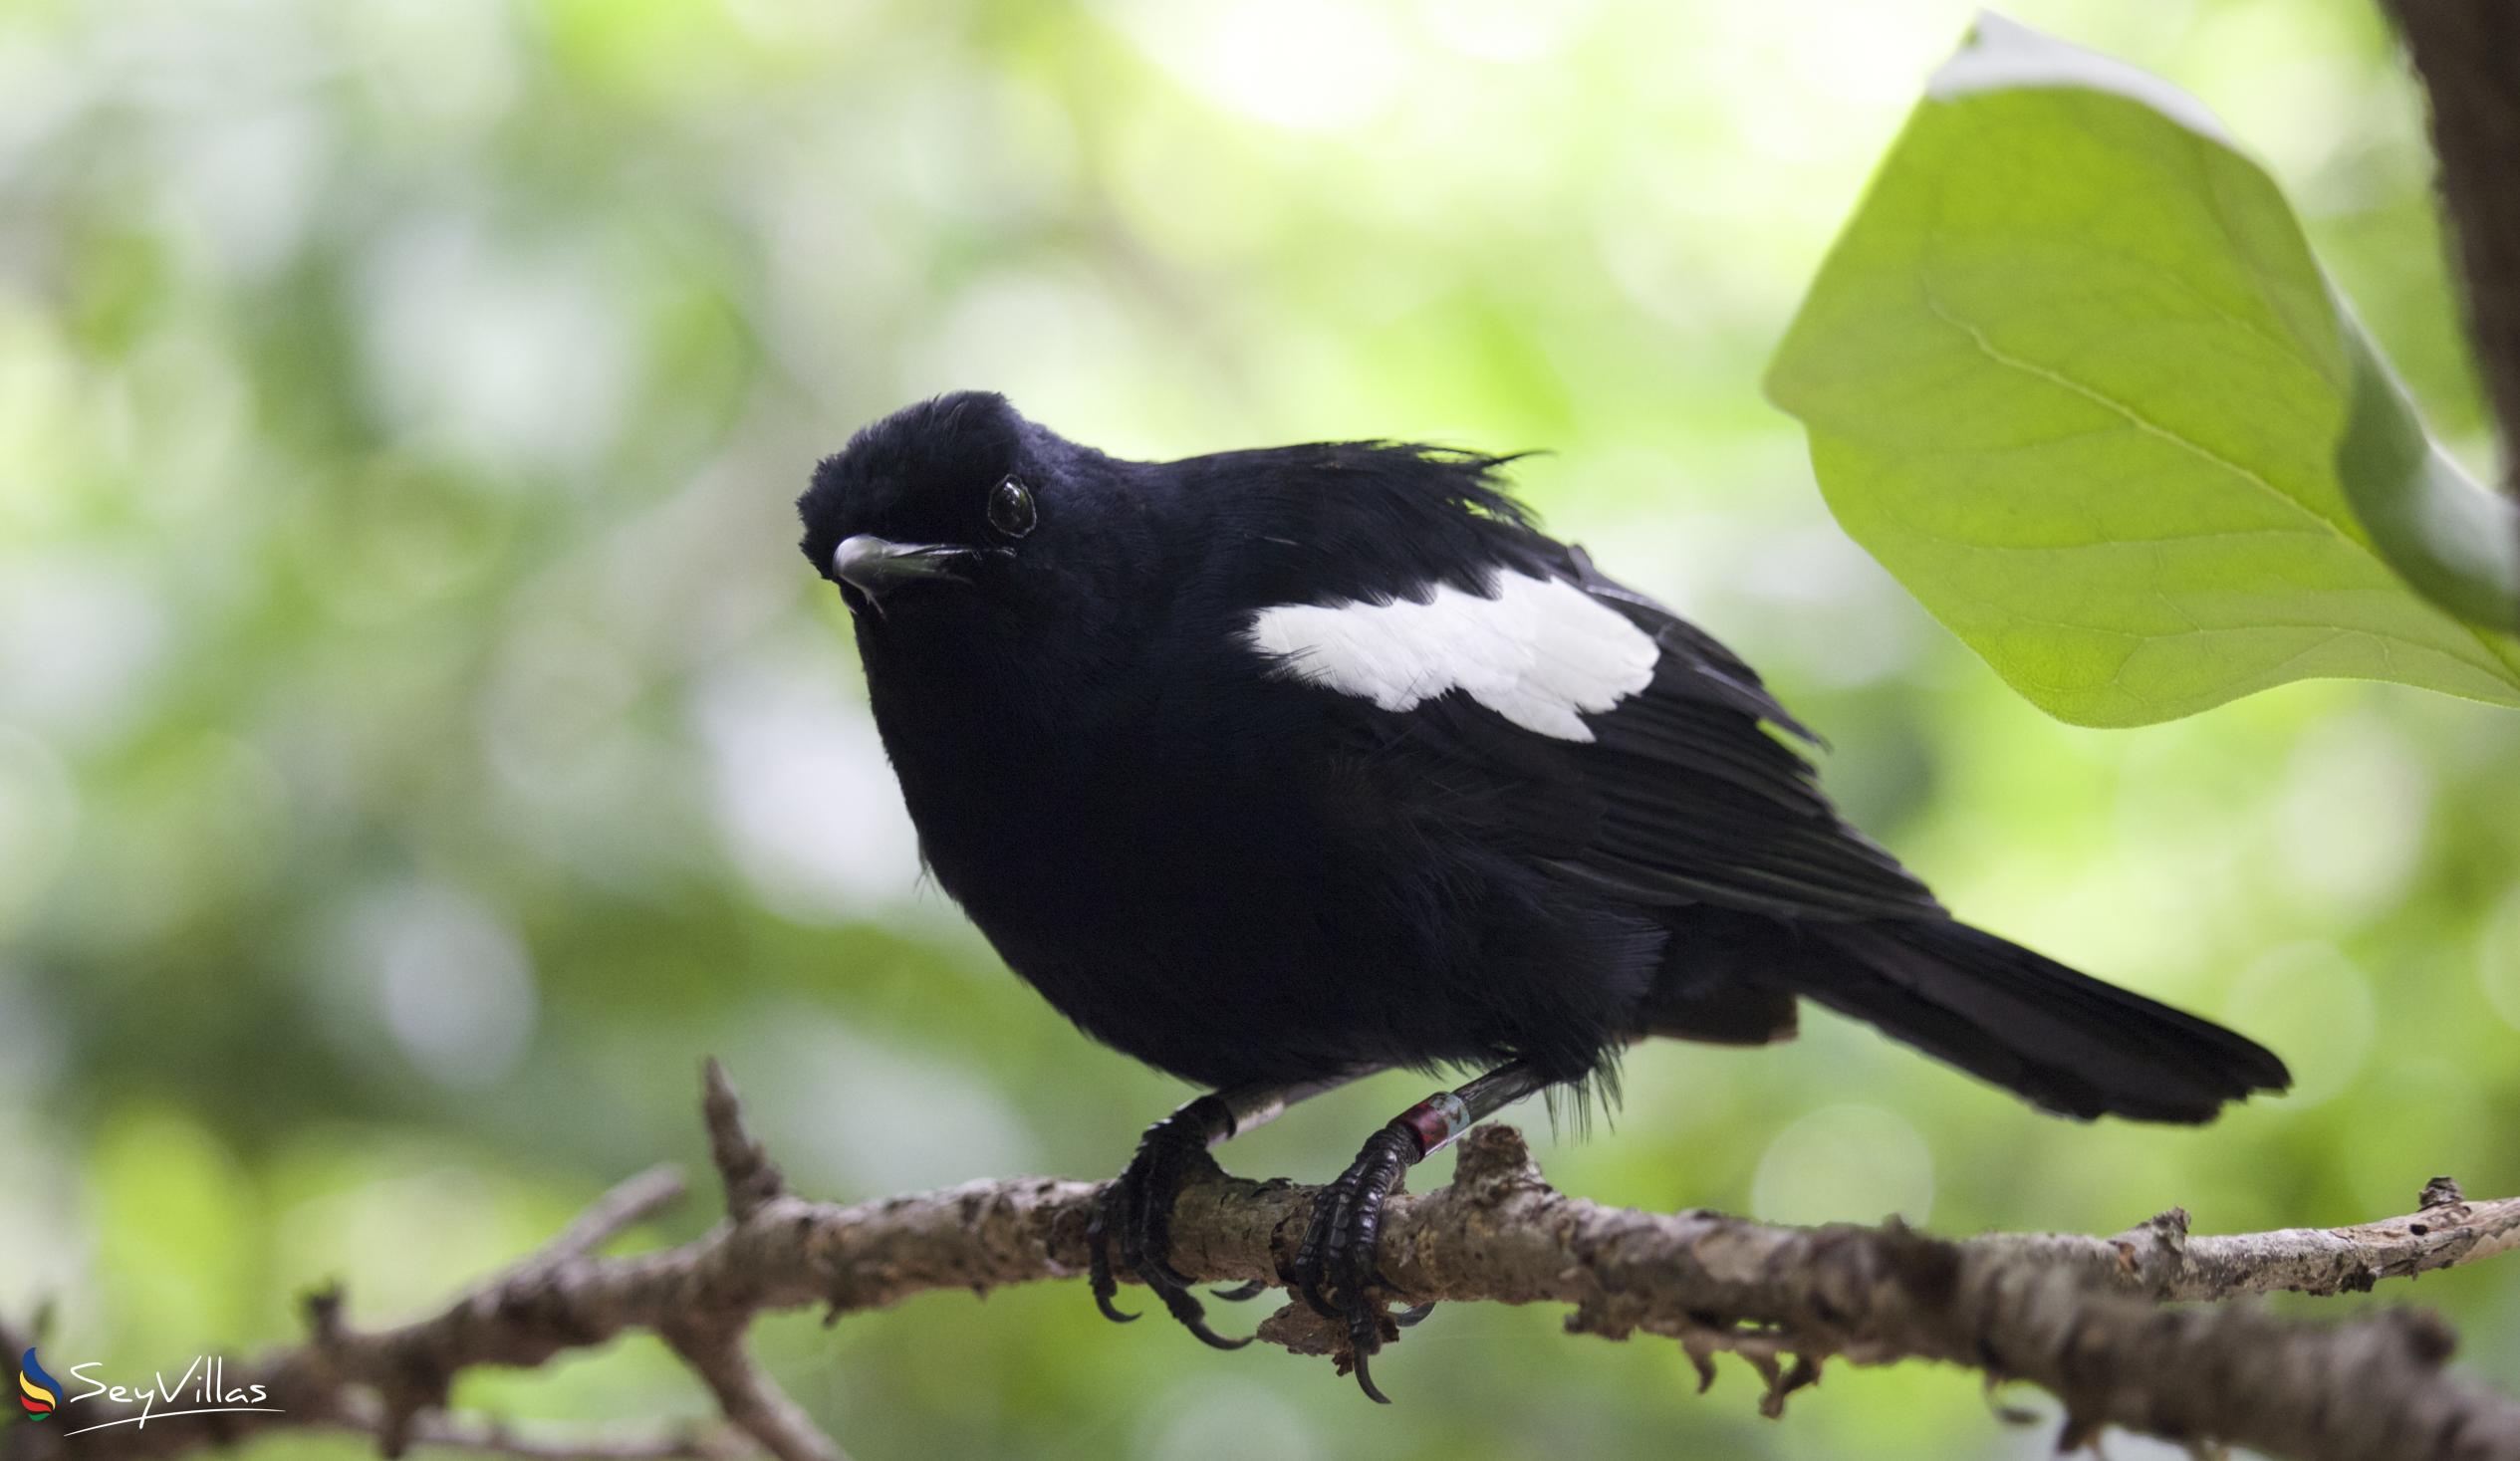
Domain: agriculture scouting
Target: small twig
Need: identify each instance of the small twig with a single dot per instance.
(627, 1205)
(2159, 1259)
(751, 1178)
(751, 1399)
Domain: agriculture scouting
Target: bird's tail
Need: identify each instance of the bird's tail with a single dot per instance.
(2062, 1038)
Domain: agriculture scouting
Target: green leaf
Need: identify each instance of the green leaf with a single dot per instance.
(2074, 377)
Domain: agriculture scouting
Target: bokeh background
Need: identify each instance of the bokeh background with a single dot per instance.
(419, 742)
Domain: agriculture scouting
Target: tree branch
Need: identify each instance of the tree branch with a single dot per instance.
(2467, 53)
(2080, 1316)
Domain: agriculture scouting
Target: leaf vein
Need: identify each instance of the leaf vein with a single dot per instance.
(2134, 418)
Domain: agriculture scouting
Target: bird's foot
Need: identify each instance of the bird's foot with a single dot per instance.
(1136, 1212)
(1337, 1269)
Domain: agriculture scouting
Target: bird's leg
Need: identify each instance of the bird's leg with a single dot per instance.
(1340, 1251)
(1135, 1211)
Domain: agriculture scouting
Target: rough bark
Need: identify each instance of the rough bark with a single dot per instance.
(2083, 1318)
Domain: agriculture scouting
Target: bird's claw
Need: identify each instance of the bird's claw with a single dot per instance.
(1337, 1270)
(1136, 1211)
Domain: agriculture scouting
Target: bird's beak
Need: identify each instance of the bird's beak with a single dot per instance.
(872, 565)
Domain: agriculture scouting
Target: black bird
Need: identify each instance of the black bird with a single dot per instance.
(1277, 768)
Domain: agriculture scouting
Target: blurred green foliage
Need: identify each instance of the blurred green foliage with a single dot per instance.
(420, 743)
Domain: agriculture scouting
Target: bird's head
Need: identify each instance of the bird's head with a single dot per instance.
(938, 499)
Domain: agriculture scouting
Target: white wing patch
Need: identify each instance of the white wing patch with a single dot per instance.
(1537, 651)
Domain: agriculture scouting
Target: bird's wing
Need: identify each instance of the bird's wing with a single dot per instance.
(1598, 732)
(1700, 798)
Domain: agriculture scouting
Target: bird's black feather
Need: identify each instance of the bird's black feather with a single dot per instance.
(1240, 872)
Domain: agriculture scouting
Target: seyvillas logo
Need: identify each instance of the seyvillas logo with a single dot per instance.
(202, 1389)
(39, 1392)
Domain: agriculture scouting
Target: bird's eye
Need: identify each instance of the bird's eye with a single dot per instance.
(1011, 508)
